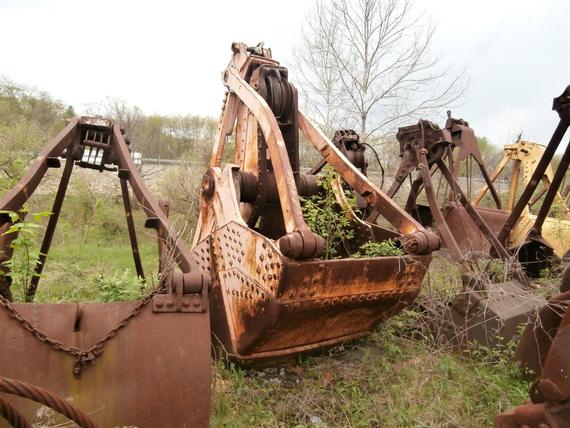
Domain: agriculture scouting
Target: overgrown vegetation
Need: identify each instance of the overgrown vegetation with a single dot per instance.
(386, 380)
(119, 286)
(379, 249)
(28, 119)
(21, 266)
(327, 218)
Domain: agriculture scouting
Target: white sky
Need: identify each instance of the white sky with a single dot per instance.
(167, 56)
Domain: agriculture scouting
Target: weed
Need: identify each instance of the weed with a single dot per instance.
(379, 249)
(21, 266)
(326, 217)
(119, 287)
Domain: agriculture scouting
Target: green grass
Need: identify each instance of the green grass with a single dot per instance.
(91, 245)
(394, 378)
(384, 381)
(73, 271)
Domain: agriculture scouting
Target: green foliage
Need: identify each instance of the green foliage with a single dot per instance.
(161, 137)
(326, 217)
(28, 119)
(384, 381)
(379, 249)
(119, 287)
(21, 266)
(496, 270)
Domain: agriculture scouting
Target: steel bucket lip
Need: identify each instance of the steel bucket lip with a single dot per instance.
(357, 260)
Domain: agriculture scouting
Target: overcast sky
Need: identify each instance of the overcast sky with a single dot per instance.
(167, 56)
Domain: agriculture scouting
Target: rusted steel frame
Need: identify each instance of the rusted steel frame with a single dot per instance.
(418, 186)
(339, 140)
(531, 415)
(13, 199)
(415, 189)
(536, 178)
(52, 224)
(377, 199)
(229, 112)
(243, 57)
(180, 253)
(407, 159)
(290, 205)
(162, 235)
(131, 228)
(501, 251)
(552, 385)
(500, 167)
(514, 181)
(490, 185)
(552, 191)
(19, 194)
(442, 225)
(417, 158)
(536, 340)
(463, 137)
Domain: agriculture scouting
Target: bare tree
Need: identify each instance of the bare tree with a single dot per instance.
(322, 89)
(369, 62)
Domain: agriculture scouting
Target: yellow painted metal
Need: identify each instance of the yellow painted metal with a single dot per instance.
(525, 155)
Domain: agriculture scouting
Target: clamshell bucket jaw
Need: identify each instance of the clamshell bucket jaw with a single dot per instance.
(271, 294)
(484, 312)
(140, 363)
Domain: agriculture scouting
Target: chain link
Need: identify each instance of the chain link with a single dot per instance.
(82, 358)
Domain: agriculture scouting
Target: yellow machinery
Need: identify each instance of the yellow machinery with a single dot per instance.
(525, 156)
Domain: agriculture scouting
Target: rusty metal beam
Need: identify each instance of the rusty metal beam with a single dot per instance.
(52, 223)
(131, 228)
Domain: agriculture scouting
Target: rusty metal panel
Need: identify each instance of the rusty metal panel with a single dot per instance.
(468, 236)
(264, 305)
(493, 315)
(154, 372)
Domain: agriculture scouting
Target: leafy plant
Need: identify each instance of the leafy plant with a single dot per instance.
(119, 287)
(326, 217)
(21, 266)
(379, 249)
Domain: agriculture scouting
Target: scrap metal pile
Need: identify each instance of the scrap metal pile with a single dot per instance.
(254, 278)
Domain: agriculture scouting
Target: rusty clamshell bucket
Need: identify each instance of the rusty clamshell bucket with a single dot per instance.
(141, 363)
(482, 311)
(271, 295)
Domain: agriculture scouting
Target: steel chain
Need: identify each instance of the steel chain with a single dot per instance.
(82, 358)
